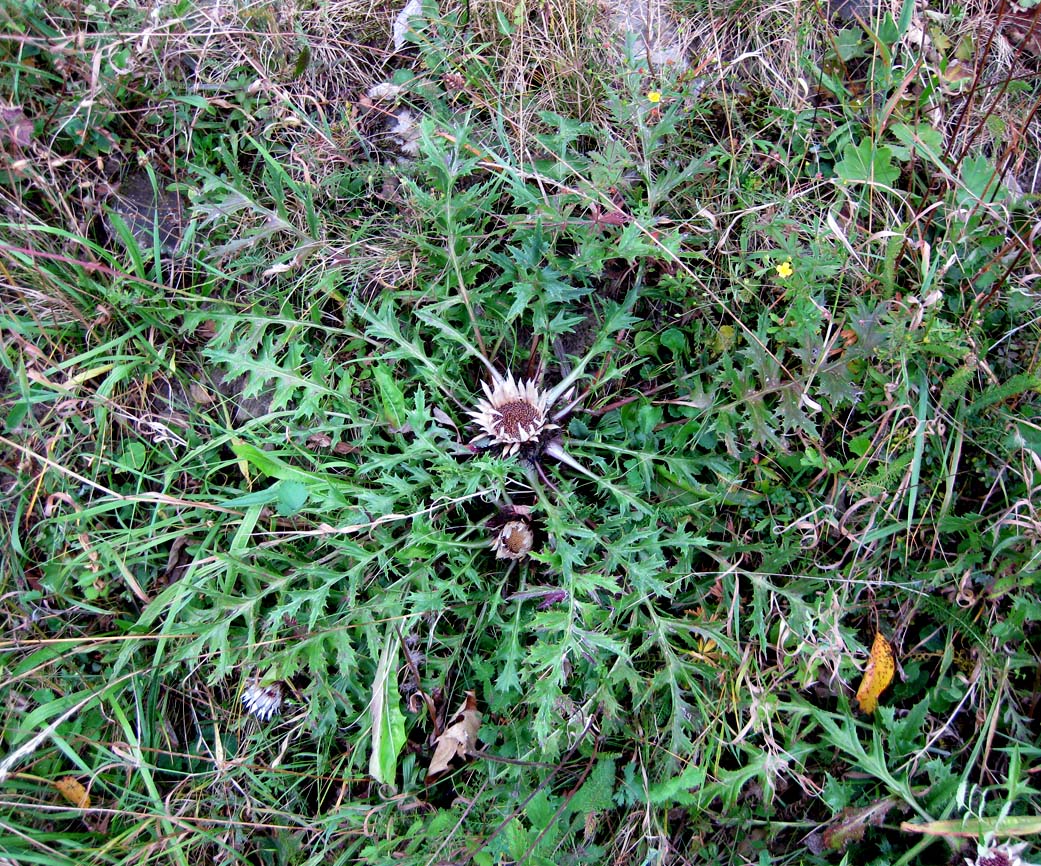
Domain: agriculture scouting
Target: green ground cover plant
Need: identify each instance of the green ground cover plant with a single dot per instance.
(277, 587)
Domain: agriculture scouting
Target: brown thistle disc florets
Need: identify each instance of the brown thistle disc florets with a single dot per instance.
(513, 536)
(514, 418)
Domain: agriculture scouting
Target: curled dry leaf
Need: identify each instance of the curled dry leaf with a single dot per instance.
(412, 9)
(851, 824)
(879, 674)
(458, 739)
(15, 128)
(73, 791)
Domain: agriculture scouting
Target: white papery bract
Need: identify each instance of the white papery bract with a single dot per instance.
(263, 701)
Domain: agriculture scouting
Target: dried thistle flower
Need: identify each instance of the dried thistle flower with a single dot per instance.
(453, 81)
(513, 536)
(514, 540)
(263, 701)
(514, 414)
(1005, 854)
(518, 416)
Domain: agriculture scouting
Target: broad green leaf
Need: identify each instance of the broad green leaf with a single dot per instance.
(388, 722)
(505, 27)
(676, 790)
(981, 182)
(921, 140)
(887, 30)
(675, 341)
(866, 163)
(267, 463)
(596, 793)
(292, 496)
(906, 13)
(392, 400)
(256, 497)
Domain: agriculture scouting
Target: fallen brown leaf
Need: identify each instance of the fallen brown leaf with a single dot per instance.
(15, 127)
(851, 824)
(458, 739)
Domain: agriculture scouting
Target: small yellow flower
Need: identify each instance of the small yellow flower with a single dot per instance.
(653, 96)
(785, 269)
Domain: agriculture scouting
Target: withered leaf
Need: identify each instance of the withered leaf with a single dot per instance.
(879, 674)
(73, 791)
(973, 828)
(458, 739)
(851, 824)
(15, 127)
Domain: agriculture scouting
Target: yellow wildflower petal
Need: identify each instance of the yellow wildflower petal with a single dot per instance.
(653, 96)
(785, 269)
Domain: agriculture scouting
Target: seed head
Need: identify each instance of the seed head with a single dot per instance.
(515, 413)
(514, 540)
(1005, 854)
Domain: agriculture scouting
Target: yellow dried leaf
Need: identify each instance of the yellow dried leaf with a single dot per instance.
(73, 791)
(973, 828)
(879, 674)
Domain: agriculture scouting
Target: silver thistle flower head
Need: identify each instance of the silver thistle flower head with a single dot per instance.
(515, 413)
(262, 701)
(513, 540)
(1005, 854)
